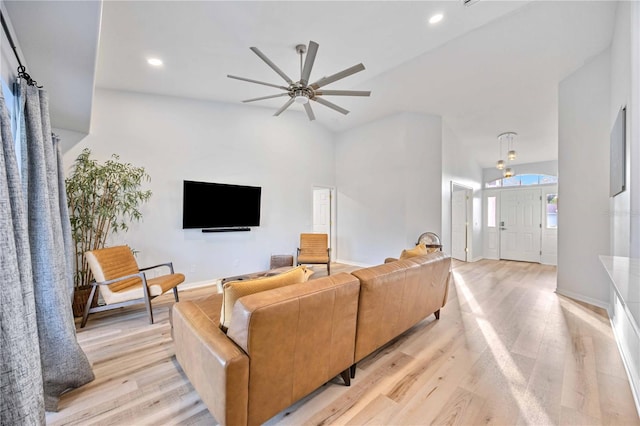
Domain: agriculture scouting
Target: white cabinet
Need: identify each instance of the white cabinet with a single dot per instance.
(624, 312)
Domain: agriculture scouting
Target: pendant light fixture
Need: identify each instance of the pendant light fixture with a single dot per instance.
(500, 162)
(507, 137)
(510, 136)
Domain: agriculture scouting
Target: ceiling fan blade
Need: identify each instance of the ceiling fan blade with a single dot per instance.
(266, 97)
(343, 93)
(331, 105)
(308, 62)
(310, 114)
(285, 106)
(258, 82)
(271, 64)
(337, 76)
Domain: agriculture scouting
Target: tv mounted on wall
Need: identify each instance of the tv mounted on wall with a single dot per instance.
(220, 207)
(617, 170)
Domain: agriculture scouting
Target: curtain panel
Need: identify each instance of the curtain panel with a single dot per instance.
(21, 387)
(42, 268)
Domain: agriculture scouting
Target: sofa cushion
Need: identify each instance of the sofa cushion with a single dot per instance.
(233, 290)
(297, 337)
(397, 295)
(418, 250)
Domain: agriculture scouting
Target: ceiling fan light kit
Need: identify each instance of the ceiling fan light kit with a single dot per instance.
(301, 91)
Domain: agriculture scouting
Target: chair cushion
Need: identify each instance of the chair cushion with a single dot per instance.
(418, 250)
(157, 286)
(324, 258)
(313, 248)
(113, 262)
(233, 290)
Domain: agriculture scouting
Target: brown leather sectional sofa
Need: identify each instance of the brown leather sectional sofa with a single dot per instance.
(282, 344)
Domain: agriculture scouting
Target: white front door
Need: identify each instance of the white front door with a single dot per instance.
(459, 225)
(520, 225)
(322, 212)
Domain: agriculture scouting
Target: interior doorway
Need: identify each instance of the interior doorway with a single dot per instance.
(461, 198)
(324, 215)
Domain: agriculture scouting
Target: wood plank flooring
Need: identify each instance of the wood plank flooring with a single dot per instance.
(506, 350)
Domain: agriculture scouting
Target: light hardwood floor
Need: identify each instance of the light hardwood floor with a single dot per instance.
(506, 350)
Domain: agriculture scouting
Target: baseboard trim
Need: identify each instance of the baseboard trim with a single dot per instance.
(198, 284)
(581, 298)
(476, 259)
(352, 263)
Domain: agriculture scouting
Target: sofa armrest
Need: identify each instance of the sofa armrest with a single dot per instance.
(216, 367)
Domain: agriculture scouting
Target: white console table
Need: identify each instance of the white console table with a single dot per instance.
(624, 312)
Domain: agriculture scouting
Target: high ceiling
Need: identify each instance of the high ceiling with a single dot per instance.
(487, 68)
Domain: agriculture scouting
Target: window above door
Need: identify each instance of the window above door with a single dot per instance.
(522, 180)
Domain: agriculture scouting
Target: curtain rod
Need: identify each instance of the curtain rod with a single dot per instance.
(22, 70)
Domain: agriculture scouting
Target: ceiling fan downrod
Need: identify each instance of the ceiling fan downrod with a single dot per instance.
(301, 49)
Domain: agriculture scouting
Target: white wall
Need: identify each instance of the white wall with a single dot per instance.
(177, 139)
(634, 124)
(459, 167)
(620, 205)
(583, 187)
(388, 176)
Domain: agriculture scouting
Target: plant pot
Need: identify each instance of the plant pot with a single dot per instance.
(80, 296)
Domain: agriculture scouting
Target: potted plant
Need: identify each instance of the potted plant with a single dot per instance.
(103, 199)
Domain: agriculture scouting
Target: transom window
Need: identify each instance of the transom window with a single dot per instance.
(522, 180)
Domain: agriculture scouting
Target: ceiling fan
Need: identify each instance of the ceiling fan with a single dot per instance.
(301, 91)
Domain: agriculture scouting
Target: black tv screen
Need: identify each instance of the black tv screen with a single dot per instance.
(217, 205)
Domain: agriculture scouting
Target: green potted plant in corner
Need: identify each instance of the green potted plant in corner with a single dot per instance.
(103, 199)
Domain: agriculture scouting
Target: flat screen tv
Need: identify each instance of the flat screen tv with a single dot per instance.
(217, 205)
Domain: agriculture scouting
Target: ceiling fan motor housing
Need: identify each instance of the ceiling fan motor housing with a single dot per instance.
(302, 95)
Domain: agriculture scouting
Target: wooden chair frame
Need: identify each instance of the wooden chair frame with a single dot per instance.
(328, 263)
(145, 287)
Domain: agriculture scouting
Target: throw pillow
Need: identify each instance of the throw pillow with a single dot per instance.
(418, 250)
(233, 290)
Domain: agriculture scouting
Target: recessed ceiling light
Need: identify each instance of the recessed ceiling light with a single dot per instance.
(154, 62)
(436, 18)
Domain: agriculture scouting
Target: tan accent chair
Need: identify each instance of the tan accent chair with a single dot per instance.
(314, 249)
(122, 283)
